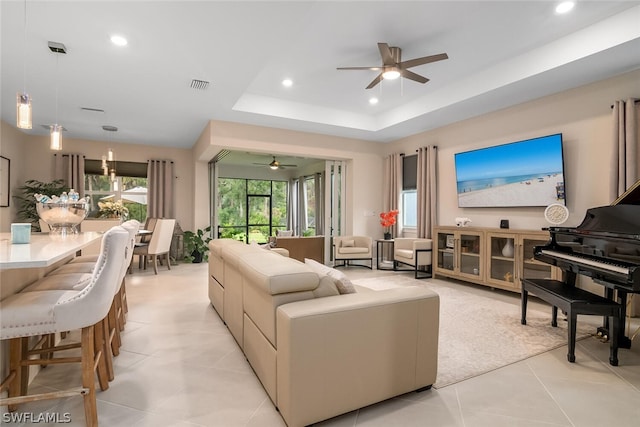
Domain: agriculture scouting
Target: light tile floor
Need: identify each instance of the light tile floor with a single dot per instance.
(179, 366)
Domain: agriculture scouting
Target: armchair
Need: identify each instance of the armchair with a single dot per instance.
(413, 252)
(352, 248)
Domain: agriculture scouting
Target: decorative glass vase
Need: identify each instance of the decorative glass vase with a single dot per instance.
(507, 250)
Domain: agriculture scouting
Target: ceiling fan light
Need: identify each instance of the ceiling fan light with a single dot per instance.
(56, 137)
(391, 74)
(23, 111)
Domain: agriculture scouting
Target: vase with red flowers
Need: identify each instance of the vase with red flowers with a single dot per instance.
(388, 219)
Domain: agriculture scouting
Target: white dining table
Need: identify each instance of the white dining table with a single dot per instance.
(43, 250)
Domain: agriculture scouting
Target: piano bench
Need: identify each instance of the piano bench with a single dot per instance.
(574, 301)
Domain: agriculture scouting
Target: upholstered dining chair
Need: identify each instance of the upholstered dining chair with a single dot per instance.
(28, 314)
(159, 244)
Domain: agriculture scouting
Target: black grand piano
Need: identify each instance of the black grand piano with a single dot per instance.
(605, 247)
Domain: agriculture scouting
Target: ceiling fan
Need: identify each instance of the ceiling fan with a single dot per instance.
(393, 67)
(276, 164)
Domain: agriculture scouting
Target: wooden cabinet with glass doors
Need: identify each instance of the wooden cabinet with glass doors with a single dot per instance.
(510, 258)
(501, 260)
(459, 253)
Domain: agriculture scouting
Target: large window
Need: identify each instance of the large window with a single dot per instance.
(129, 185)
(409, 193)
(131, 190)
(251, 210)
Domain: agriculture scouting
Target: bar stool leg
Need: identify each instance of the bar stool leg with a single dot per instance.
(99, 355)
(88, 377)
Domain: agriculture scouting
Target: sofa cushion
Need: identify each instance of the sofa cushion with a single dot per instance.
(404, 253)
(341, 281)
(276, 274)
(348, 243)
(351, 250)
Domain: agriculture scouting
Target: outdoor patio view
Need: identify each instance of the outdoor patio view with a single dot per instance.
(251, 210)
(131, 190)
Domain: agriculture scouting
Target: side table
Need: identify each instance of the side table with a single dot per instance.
(384, 254)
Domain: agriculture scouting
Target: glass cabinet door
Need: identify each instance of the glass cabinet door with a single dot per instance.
(470, 248)
(446, 246)
(532, 268)
(502, 259)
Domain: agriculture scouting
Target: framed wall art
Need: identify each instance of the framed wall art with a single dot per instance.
(5, 166)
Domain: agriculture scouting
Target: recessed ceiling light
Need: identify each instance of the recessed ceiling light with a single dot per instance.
(119, 40)
(565, 6)
(287, 83)
(373, 101)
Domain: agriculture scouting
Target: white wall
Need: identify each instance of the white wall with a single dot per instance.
(583, 115)
(12, 146)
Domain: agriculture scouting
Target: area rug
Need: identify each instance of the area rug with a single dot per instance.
(479, 334)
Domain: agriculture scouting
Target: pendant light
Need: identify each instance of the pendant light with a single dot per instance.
(23, 100)
(56, 129)
(109, 161)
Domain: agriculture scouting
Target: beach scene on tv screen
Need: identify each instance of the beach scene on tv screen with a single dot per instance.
(525, 173)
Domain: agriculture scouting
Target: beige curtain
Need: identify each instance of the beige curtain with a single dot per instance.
(392, 186)
(625, 160)
(319, 202)
(160, 184)
(70, 168)
(626, 147)
(426, 190)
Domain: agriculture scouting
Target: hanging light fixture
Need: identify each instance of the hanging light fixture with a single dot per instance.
(109, 161)
(23, 100)
(56, 129)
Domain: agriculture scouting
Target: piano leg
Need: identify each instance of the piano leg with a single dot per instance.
(617, 328)
(554, 316)
(572, 319)
(524, 295)
(605, 330)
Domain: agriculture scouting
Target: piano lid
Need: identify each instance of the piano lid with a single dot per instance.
(629, 197)
(623, 220)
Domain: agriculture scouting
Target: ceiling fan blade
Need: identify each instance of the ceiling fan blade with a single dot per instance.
(413, 76)
(385, 53)
(375, 81)
(359, 68)
(424, 60)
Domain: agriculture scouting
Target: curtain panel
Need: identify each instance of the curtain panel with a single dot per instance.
(426, 190)
(160, 188)
(319, 202)
(392, 189)
(70, 168)
(626, 147)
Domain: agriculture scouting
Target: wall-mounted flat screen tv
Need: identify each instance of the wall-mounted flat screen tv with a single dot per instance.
(523, 173)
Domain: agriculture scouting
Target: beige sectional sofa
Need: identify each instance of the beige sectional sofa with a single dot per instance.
(318, 353)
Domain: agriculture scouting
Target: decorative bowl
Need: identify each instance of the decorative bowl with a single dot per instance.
(63, 218)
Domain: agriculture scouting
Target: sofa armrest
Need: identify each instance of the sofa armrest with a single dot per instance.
(337, 354)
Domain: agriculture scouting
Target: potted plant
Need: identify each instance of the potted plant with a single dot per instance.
(27, 210)
(196, 245)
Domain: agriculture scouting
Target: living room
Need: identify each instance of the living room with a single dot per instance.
(168, 324)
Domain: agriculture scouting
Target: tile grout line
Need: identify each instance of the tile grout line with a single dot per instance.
(537, 377)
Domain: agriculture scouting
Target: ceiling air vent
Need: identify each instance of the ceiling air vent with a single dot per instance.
(93, 110)
(199, 84)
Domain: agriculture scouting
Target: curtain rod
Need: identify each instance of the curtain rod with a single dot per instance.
(635, 101)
